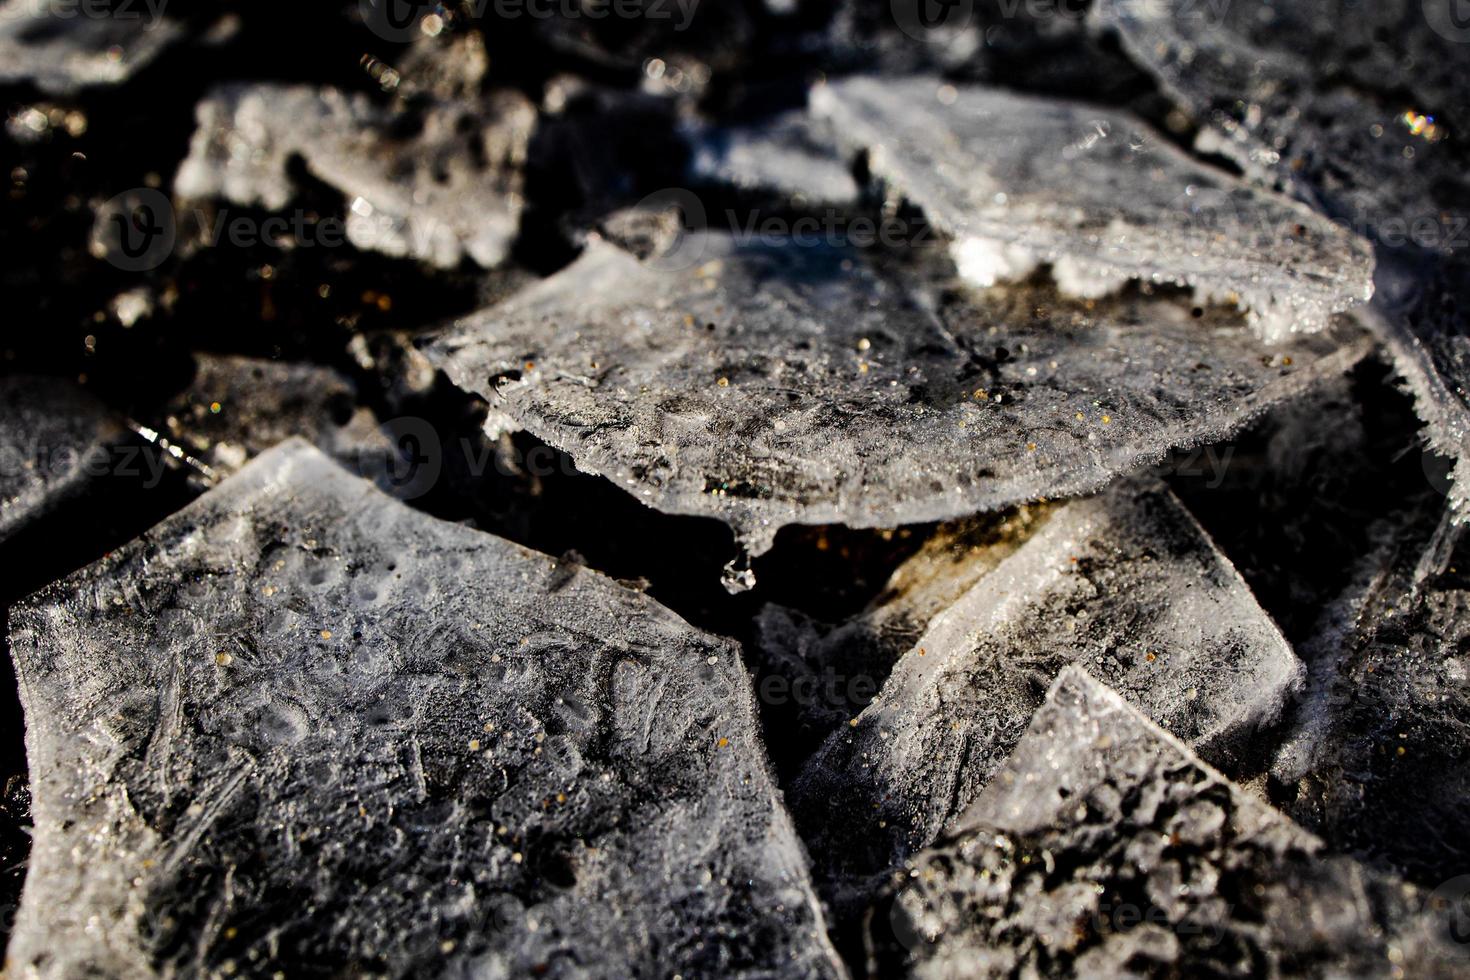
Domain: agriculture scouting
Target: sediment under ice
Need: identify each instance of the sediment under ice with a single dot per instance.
(1016, 181)
(769, 383)
(299, 726)
(1106, 848)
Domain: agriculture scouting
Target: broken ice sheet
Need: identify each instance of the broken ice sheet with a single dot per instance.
(831, 671)
(435, 183)
(54, 439)
(1107, 848)
(1126, 584)
(1363, 115)
(300, 726)
(1379, 761)
(767, 383)
(791, 155)
(1016, 181)
(61, 48)
(238, 407)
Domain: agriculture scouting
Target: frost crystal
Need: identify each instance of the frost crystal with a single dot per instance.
(301, 727)
(767, 383)
(1106, 848)
(1016, 181)
(791, 155)
(54, 438)
(452, 189)
(1126, 584)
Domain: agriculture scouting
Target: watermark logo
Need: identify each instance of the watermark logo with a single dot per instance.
(1450, 19)
(135, 231)
(920, 18)
(1450, 905)
(122, 10)
(395, 21)
(680, 234)
(398, 21)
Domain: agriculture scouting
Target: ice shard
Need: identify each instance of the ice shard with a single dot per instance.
(301, 727)
(54, 440)
(238, 407)
(768, 383)
(792, 155)
(833, 670)
(1361, 114)
(1379, 761)
(1125, 584)
(61, 49)
(1017, 181)
(1107, 848)
(436, 183)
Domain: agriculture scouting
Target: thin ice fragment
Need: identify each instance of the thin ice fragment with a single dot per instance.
(1379, 761)
(61, 48)
(1125, 584)
(301, 727)
(55, 439)
(768, 383)
(1017, 181)
(791, 155)
(842, 666)
(1364, 116)
(238, 407)
(451, 189)
(1106, 848)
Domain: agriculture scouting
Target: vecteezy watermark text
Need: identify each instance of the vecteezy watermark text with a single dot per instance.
(399, 21)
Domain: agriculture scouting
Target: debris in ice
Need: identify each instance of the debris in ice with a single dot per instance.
(238, 407)
(55, 439)
(1364, 117)
(1106, 848)
(790, 155)
(61, 49)
(841, 666)
(769, 383)
(1017, 181)
(1379, 761)
(452, 188)
(301, 727)
(1125, 584)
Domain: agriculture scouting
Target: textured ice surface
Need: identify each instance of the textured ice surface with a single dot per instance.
(791, 155)
(1016, 181)
(301, 727)
(1106, 848)
(1362, 112)
(54, 439)
(61, 47)
(769, 383)
(238, 407)
(1379, 762)
(1125, 584)
(452, 188)
(842, 665)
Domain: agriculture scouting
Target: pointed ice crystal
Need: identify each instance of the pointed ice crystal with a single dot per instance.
(768, 383)
(301, 727)
(452, 189)
(1017, 181)
(1106, 848)
(1125, 584)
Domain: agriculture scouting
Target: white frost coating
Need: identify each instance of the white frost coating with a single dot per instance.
(301, 727)
(91, 51)
(1099, 192)
(985, 262)
(425, 197)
